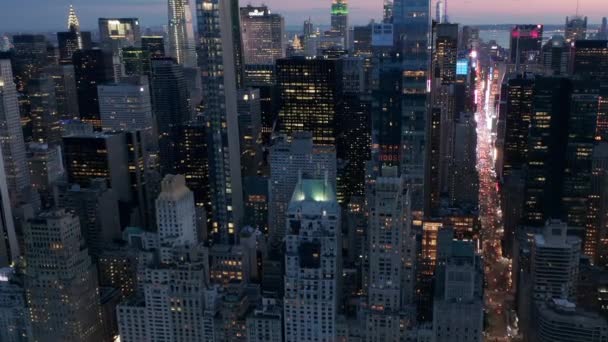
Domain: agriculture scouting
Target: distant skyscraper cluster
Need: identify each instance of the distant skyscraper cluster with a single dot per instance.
(224, 178)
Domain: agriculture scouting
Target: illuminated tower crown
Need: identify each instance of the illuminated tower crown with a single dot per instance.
(73, 24)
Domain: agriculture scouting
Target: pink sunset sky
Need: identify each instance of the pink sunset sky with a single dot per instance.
(32, 15)
(464, 11)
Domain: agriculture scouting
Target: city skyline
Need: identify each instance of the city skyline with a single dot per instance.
(320, 171)
(29, 15)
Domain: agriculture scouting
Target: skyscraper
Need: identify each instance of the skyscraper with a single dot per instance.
(116, 33)
(69, 310)
(446, 53)
(126, 106)
(263, 35)
(458, 306)
(591, 59)
(170, 103)
(556, 56)
(14, 315)
(339, 19)
(155, 45)
(554, 263)
(218, 62)
(518, 110)
(30, 56)
(582, 134)
(46, 126)
(303, 111)
(189, 158)
(91, 67)
(66, 95)
(73, 39)
(391, 258)
(288, 160)
(181, 33)
(135, 61)
(562, 320)
(411, 20)
(9, 246)
(526, 44)
(576, 28)
(91, 205)
(547, 140)
(603, 31)
(175, 216)
(98, 155)
(13, 146)
(313, 262)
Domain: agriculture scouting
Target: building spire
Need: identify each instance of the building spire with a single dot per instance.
(73, 24)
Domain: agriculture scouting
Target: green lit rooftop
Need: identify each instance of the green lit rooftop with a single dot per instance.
(313, 190)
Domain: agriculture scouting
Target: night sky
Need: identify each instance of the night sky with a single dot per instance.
(32, 15)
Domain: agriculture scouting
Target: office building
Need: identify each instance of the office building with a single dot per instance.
(265, 323)
(256, 196)
(312, 262)
(463, 178)
(14, 315)
(303, 111)
(181, 33)
(69, 310)
(519, 99)
(175, 216)
(9, 246)
(11, 136)
(91, 205)
(232, 264)
(175, 302)
(596, 234)
(591, 59)
(458, 307)
(91, 68)
(155, 45)
(288, 160)
(445, 53)
(170, 103)
(263, 33)
(249, 109)
(46, 125)
(189, 158)
(582, 133)
(135, 61)
(526, 44)
(362, 40)
(411, 33)
(387, 110)
(73, 39)
(116, 33)
(117, 265)
(339, 20)
(603, 31)
(98, 155)
(470, 38)
(126, 106)
(29, 57)
(46, 168)
(576, 28)
(391, 258)
(354, 139)
(221, 50)
(547, 141)
(561, 320)
(556, 56)
(554, 263)
(66, 96)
